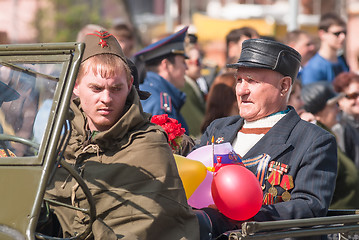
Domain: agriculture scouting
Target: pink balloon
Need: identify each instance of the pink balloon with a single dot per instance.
(202, 196)
(203, 154)
(236, 192)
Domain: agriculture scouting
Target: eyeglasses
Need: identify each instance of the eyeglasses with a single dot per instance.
(338, 33)
(352, 95)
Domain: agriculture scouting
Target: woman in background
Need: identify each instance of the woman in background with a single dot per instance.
(320, 100)
(347, 131)
(221, 99)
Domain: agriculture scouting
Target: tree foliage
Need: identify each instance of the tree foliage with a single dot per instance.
(61, 20)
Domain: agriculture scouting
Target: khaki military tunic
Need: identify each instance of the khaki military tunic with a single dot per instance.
(132, 175)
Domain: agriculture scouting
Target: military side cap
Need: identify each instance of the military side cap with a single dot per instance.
(269, 54)
(7, 93)
(101, 42)
(172, 44)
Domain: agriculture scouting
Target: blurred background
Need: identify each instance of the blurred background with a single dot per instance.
(31, 21)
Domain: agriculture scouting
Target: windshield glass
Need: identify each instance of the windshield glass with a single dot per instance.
(26, 96)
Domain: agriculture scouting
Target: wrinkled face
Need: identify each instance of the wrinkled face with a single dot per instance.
(350, 103)
(260, 92)
(176, 71)
(103, 97)
(334, 37)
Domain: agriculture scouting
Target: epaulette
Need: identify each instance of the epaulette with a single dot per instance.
(166, 102)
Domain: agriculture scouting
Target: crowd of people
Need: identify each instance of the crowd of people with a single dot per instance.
(293, 100)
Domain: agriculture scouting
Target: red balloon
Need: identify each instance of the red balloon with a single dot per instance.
(236, 192)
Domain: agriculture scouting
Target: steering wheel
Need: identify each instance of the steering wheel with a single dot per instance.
(12, 138)
(91, 211)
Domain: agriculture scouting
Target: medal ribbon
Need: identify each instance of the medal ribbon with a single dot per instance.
(274, 178)
(277, 166)
(252, 161)
(287, 182)
(262, 162)
(269, 199)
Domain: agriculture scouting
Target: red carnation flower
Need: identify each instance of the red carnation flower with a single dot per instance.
(173, 129)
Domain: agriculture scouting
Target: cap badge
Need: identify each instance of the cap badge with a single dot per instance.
(102, 35)
(103, 43)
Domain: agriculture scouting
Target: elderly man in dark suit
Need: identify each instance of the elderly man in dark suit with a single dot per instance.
(298, 177)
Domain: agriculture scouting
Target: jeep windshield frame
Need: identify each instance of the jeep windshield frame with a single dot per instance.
(51, 69)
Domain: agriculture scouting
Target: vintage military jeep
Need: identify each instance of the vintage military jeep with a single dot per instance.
(34, 131)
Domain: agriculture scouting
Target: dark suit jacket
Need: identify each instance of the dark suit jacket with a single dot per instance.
(309, 151)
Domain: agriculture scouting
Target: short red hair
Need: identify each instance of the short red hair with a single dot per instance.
(343, 80)
(106, 65)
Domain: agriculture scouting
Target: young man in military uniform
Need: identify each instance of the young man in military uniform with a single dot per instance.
(136, 196)
(166, 67)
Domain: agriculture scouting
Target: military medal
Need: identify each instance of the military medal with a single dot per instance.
(277, 169)
(274, 179)
(286, 196)
(287, 184)
(273, 191)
